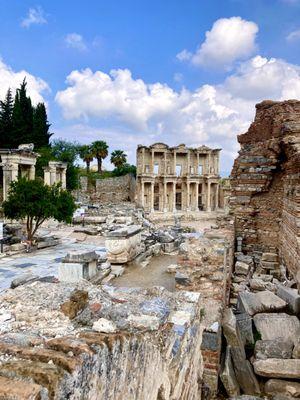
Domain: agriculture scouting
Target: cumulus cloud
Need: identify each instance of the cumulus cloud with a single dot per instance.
(146, 113)
(35, 16)
(75, 41)
(293, 36)
(11, 79)
(229, 40)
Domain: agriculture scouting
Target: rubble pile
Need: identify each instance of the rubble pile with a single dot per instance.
(61, 341)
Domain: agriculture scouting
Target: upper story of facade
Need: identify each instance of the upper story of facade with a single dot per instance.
(180, 161)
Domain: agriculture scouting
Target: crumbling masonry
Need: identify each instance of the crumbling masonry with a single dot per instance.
(177, 178)
(266, 184)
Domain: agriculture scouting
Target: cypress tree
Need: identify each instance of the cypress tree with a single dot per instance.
(6, 110)
(41, 127)
(22, 117)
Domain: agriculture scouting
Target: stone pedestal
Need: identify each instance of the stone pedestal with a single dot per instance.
(78, 265)
(123, 245)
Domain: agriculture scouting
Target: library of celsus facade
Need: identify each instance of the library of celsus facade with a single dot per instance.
(177, 178)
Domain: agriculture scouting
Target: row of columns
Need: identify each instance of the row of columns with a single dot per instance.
(188, 206)
(11, 173)
(207, 165)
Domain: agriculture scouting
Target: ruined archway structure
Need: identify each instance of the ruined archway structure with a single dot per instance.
(265, 182)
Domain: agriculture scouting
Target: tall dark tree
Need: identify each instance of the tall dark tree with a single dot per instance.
(6, 110)
(22, 117)
(40, 133)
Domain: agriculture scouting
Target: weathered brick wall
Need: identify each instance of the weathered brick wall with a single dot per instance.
(265, 182)
(110, 190)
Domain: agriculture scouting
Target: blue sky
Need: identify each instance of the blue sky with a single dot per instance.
(134, 72)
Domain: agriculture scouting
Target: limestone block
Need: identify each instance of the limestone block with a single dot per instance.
(273, 326)
(253, 303)
(291, 296)
(270, 257)
(278, 368)
(104, 325)
(278, 348)
(79, 256)
(144, 322)
(278, 386)
(74, 272)
(244, 322)
(180, 318)
(227, 375)
(117, 270)
(296, 351)
(243, 369)
(241, 268)
(123, 245)
(12, 389)
(168, 247)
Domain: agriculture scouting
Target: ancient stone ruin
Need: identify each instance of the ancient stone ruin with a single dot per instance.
(177, 178)
(266, 187)
(191, 293)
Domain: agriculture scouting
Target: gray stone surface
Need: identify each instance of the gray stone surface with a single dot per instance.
(277, 325)
(241, 268)
(291, 296)
(279, 386)
(253, 303)
(23, 279)
(244, 322)
(296, 351)
(243, 369)
(227, 375)
(79, 256)
(278, 368)
(277, 348)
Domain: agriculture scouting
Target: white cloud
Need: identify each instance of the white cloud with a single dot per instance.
(11, 79)
(75, 41)
(229, 40)
(35, 16)
(140, 112)
(178, 77)
(293, 36)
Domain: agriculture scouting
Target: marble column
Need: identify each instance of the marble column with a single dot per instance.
(10, 173)
(152, 197)
(47, 178)
(217, 197)
(208, 205)
(174, 162)
(64, 178)
(165, 197)
(197, 197)
(174, 196)
(142, 194)
(188, 196)
(32, 172)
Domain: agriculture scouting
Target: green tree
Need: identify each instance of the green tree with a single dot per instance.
(40, 133)
(63, 150)
(6, 110)
(118, 158)
(87, 155)
(35, 202)
(22, 117)
(100, 150)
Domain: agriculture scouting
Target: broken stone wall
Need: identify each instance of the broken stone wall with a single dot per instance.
(110, 190)
(99, 343)
(265, 183)
(206, 264)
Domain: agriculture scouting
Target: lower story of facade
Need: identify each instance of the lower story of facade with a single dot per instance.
(159, 194)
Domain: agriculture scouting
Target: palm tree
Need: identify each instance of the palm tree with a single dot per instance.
(118, 158)
(100, 151)
(87, 155)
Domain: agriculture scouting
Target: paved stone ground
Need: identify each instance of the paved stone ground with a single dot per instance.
(41, 262)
